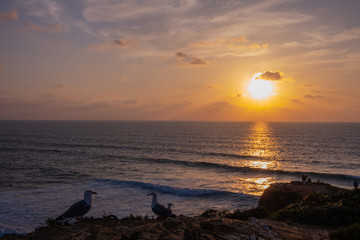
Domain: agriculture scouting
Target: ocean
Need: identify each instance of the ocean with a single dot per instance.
(45, 166)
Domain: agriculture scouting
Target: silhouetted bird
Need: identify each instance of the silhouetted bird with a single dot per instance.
(159, 209)
(79, 208)
(169, 205)
(356, 183)
(303, 178)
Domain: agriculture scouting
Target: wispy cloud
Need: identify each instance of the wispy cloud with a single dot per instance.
(126, 101)
(113, 11)
(185, 59)
(60, 85)
(167, 26)
(313, 96)
(10, 15)
(120, 43)
(231, 43)
(51, 28)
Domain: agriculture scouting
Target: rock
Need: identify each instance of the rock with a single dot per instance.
(189, 228)
(280, 195)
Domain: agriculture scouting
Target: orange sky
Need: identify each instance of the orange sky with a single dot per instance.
(179, 60)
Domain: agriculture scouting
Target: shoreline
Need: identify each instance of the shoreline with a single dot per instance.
(276, 217)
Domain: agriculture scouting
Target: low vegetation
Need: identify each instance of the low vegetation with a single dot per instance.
(340, 209)
(351, 232)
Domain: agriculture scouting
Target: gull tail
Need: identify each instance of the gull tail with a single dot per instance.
(60, 218)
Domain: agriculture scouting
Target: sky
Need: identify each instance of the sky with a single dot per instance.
(180, 60)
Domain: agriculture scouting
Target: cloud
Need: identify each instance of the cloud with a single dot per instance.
(272, 76)
(214, 86)
(56, 28)
(230, 43)
(240, 95)
(10, 15)
(121, 43)
(197, 61)
(227, 42)
(126, 102)
(316, 91)
(60, 85)
(185, 59)
(51, 28)
(347, 35)
(180, 55)
(221, 104)
(313, 96)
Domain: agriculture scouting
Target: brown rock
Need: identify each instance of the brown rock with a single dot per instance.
(183, 228)
(280, 195)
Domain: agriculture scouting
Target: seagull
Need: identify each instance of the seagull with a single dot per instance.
(169, 206)
(79, 208)
(356, 183)
(159, 209)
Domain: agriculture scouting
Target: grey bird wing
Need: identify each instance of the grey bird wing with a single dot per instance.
(161, 210)
(78, 209)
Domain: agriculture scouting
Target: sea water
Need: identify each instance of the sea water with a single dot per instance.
(45, 166)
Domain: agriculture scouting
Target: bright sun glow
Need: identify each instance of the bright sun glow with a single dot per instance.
(260, 89)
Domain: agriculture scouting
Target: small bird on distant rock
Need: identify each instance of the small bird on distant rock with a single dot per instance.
(356, 183)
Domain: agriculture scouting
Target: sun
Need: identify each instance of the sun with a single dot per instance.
(260, 89)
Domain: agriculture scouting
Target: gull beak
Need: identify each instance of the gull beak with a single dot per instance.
(94, 192)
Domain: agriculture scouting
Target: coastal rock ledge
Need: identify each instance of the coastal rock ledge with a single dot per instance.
(180, 228)
(280, 195)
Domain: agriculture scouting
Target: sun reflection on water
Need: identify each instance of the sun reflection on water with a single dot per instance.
(261, 147)
(262, 144)
(261, 164)
(256, 186)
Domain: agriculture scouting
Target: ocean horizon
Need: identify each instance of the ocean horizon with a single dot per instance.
(46, 165)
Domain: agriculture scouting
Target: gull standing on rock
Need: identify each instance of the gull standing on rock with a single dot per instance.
(159, 209)
(79, 208)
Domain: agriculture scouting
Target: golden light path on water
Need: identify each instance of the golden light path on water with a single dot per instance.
(260, 143)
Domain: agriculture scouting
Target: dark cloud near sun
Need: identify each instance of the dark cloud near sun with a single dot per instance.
(10, 15)
(272, 76)
(185, 59)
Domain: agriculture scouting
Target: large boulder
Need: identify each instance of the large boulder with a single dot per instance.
(280, 195)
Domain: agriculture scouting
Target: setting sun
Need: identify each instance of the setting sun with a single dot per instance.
(259, 88)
